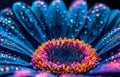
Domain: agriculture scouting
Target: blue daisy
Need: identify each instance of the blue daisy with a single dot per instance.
(52, 41)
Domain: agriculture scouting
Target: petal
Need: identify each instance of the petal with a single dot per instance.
(45, 75)
(78, 11)
(95, 22)
(115, 42)
(74, 75)
(110, 65)
(10, 37)
(113, 20)
(29, 21)
(57, 17)
(11, 61)
(111, 25)
(107, 68)
(8, 12)
(7, 58)
(23, 73)
(40, 9)
(6, 70)
(109, 41)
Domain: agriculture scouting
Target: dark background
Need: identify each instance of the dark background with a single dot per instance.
(113, 4)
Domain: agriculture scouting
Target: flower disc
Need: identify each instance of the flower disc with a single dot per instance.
(65, 56)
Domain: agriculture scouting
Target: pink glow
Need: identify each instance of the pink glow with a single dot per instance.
(110, 67)
(75, 3)
(65, 75)
(57, 0)
(22, 73)
(42, 75)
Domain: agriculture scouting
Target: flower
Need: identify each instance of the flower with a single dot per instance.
(71, 43)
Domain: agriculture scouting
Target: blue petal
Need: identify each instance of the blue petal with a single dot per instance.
(10, 37)
(12, 61)
(40, 9)
(113, 20)
(115, 42)
(8, 59)
(10, 69)
(95, 22)
(109, 65)
(29, 21)
(78, 11)
(57, 17)
(8, 12)
(109, 41)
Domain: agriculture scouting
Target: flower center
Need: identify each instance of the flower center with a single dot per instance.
(65, 52)
(65, 56)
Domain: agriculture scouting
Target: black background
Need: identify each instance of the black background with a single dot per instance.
(113, 4)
